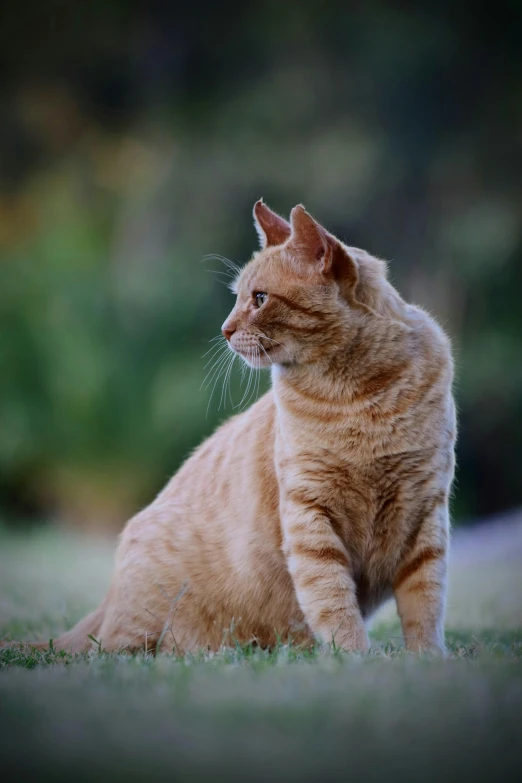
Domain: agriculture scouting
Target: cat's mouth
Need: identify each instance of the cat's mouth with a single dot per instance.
(256, 350)
(257, 356)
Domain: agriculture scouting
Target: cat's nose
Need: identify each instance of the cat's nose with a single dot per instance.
(228, 329)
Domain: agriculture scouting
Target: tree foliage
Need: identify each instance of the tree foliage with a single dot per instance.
(135, 140)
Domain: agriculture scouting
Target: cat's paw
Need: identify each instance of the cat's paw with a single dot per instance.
(429, 647)
(351, 637)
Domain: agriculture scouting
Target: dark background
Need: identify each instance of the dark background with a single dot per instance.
(134, 140)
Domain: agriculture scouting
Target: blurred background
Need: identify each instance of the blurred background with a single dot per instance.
(135, 138)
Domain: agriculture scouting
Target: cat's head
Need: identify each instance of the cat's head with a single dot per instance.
(299, 297)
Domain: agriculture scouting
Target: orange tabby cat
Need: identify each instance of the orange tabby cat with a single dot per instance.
(299, 517)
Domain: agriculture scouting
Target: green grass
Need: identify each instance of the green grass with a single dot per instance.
(245, 713)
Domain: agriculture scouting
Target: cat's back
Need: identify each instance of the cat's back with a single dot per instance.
(427, 392)
(225, 491)
(239, 451)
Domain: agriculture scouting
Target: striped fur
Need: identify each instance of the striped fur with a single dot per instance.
(300, 516)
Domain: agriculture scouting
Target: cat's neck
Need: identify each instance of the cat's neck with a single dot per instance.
(345, 373)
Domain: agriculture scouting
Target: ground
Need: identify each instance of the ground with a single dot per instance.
(249, 714)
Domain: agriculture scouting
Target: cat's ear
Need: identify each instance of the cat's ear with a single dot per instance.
(310, 241)
(271, 228)
(313, 245)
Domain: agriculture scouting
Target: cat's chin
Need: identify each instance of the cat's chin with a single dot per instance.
(254, 360)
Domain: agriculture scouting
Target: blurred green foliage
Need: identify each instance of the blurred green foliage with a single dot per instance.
(134, 141)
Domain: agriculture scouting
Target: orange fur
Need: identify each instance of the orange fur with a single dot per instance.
(300, 516)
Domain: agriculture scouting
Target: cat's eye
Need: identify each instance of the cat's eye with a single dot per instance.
(260, 298)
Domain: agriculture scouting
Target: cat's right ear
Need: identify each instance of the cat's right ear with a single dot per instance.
(271, 228)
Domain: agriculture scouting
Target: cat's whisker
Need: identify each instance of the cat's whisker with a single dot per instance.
(218, 353)
(267, 356)
(254, 378)
(227, 283)
(247, 387)
(224, 376)
(222, 365)
(223, 397)
(245, 391)
(252, 388)
(271, 340)
(229, 380)
(220, 344)
(276, 343)
(258, 377)
(231, 271)
(215, 355)
(230, 393)
(215, 370)
(229, 275)
(224, 260)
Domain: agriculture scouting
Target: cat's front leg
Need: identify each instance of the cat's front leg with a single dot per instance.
(420, 587)
(320, 569)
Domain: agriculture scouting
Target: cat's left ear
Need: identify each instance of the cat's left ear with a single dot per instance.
(271, 228)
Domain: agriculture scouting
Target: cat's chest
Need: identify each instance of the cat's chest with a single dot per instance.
(339, 435)
(325, 458)
(364, 501)
(330, 478)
